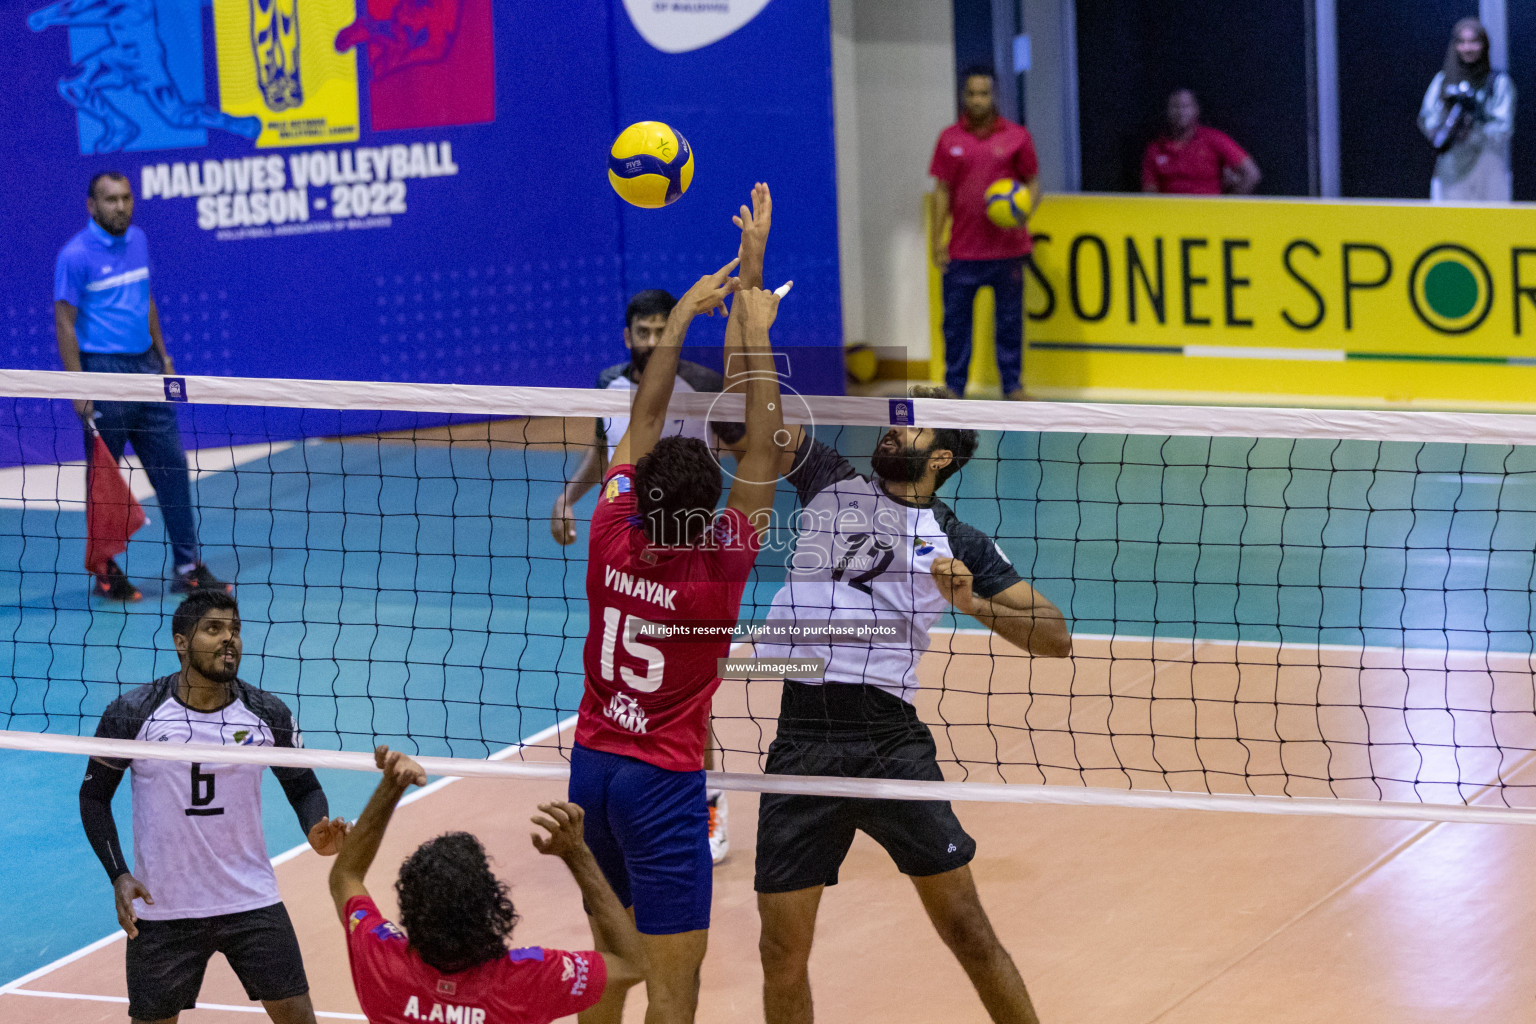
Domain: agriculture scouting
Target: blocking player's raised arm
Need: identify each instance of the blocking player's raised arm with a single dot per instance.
(649, 413)
(755, 224)
(757, 471)
(361, 844)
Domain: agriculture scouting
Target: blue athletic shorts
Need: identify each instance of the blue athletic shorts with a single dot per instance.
(649, 830)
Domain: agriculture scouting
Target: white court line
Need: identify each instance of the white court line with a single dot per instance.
(13, 986)
(200, 1006)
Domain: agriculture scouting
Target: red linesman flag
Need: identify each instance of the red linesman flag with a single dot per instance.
(112, 513)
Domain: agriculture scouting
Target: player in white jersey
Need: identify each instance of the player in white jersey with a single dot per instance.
(202, 882)
(882, 550)
(644, 320)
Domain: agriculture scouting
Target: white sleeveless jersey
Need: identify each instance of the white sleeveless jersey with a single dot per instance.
(691, 377)
(861, 555)
(198, 844)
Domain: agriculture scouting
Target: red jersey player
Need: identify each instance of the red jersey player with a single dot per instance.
(452, 962)
(660, 560)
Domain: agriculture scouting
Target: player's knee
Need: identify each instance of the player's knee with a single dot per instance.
(968, 934)
(783, 956)
(673, 997)
(293, 1010)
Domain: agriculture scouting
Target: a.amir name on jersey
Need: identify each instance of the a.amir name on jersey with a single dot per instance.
(645, 590)
(448, 1013)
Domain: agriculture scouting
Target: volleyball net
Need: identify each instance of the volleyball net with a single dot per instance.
(1293, 611)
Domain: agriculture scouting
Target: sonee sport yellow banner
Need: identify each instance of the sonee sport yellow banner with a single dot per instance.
(1345, 303)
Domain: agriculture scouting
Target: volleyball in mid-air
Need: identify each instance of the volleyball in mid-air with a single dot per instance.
(1007, 203)
(650, 164)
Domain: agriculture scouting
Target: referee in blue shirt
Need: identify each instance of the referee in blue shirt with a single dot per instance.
(107, 322)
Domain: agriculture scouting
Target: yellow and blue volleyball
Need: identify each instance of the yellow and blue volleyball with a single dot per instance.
(650, 164)
(1008, 203)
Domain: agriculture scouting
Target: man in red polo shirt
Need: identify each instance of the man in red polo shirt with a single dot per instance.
(971, 154)
(1194, 160)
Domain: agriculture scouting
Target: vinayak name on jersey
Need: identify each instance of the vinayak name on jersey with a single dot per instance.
(659, 594)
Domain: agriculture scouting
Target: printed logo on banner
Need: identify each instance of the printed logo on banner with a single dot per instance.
(137, 76)
(276, 63)
(175, 389)
(275, 45)
(677, 26)
(430, 62)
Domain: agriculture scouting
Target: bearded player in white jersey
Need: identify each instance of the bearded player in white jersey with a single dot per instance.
(880, 549)
(202, 882)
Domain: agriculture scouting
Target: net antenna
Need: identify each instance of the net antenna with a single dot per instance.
(1273, 610)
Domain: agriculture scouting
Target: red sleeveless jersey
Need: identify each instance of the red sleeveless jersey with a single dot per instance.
(647, 695)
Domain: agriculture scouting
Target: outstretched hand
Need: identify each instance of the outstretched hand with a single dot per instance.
(328, 835)
(399, 768)
(754, 224)
(759, 308)
(708, 292)
(563, 823)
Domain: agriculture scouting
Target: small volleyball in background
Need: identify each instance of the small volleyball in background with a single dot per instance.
(1007, 203)
(650, 165)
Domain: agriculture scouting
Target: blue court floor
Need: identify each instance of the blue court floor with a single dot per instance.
(412, 593)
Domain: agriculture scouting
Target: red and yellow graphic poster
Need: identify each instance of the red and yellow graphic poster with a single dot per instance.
(430, 62)
(277, 63)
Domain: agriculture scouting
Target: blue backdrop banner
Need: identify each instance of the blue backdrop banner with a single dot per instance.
(381, 190)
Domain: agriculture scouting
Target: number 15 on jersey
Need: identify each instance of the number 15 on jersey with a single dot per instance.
(615, 621)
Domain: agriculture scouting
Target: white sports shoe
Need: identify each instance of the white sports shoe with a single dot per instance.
(719, 832)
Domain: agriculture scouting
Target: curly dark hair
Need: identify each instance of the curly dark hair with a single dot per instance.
(959, 443)
(679, 485)
(455, 911)
(191, 611)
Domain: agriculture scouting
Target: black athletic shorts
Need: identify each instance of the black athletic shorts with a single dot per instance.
(860, 732)
(167, 960)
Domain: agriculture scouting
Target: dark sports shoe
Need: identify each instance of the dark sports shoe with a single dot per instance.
(114, 585)
(199, 578)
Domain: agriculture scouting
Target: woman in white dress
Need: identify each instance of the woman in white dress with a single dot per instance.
(1468, 114)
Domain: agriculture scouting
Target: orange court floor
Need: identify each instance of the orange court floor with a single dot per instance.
(1114, 915)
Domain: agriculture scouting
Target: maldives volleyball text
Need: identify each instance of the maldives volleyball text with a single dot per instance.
(255, 191)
